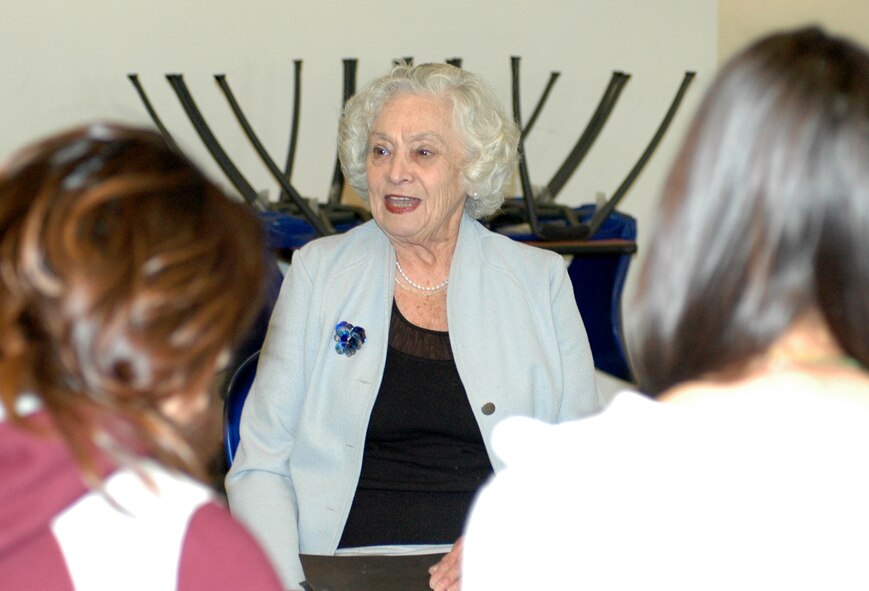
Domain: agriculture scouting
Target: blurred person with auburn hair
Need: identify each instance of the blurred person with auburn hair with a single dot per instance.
(125, 279)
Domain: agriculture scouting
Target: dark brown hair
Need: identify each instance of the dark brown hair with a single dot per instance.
(765, 214)
(125, 274)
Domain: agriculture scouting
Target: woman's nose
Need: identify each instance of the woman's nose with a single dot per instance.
(399, 169)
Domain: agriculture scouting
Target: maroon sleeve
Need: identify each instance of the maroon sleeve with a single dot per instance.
(219, 553)
(35, 564)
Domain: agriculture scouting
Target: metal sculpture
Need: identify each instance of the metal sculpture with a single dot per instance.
(315, 218)
(561, 221)
(549, 220)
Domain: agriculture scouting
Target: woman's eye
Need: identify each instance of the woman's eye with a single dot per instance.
(379, 151)
(425, 152)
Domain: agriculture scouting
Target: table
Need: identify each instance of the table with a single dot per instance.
(368, 573)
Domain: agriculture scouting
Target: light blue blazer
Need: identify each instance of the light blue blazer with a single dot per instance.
(518, 341)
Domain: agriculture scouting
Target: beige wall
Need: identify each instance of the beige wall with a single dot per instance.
(65, 62)
(740, 21)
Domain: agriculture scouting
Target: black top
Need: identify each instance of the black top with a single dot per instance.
(424, 454)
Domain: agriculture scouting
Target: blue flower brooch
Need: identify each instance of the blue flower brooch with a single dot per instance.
(348, 338)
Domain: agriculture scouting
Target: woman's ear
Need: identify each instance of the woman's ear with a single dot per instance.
(223, 360)
(471, 190)
(184, 408)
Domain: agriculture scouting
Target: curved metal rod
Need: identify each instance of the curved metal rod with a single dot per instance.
(589, 135)
(134, 78)
(601, 214)
(337, 186)
(214, 147)
(294, 127)
(524, 177)
(553, 76)
(531, 212)
(321, 225)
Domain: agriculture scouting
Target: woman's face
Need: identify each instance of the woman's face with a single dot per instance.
(415, 187)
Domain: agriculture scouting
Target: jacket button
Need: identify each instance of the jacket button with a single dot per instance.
(488, 408)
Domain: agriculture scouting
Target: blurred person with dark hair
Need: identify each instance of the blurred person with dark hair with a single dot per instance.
(751, 326)
(125, 279)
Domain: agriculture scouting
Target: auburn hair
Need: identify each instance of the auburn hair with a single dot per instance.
(125, 275)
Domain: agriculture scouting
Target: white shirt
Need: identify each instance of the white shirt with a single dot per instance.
(765, 492)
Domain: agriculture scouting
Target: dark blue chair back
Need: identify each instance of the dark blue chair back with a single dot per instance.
(287, 232)
(236, 394)
(598, 271)
(598, 284)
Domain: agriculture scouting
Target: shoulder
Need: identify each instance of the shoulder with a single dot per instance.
(481, 252)
(143, 509)
(525, 443)
(337, 268)
(498, 249)
(570, 479)
(348, 248)
(219, 553)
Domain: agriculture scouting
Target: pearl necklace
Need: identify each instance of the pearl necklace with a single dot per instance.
(424, 294)
(437, 287)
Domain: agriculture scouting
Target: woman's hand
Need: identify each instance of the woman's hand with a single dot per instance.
(446, 575)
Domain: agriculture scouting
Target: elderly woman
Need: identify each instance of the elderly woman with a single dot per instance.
(752, 327)
(394, 349)
(126, 278)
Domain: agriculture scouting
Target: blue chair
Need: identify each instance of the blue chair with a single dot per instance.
(236, 393)
(242, 366)
(598, 269)
(598, 283)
